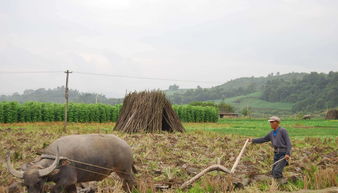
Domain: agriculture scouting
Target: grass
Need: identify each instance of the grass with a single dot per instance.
(260, 127)
(235, 126)
(253, 100)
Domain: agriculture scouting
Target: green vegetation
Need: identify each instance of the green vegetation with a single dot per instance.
(189, 113)
(57, 95)
(260, 127)
(278, 94)
(233, 88)
(253, 100)
(257, 107)
(313, 92)
(242, 127)
(12, 112)
(289, 93)
(222, 107)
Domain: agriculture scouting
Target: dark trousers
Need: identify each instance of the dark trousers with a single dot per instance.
(277, 169)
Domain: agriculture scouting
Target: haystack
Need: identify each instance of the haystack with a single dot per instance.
(332, 114)
(147, 112)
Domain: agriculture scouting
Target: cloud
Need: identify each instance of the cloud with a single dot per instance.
(179, 39)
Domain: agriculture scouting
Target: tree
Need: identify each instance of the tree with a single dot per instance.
(225, 108)
(173, 87)
(247, 111)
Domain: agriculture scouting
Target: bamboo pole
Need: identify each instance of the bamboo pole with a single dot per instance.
(239, 157)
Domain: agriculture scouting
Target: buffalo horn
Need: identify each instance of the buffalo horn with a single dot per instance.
(14, 172)
(48, 170)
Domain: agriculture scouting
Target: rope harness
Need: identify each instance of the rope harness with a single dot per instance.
(45, 156)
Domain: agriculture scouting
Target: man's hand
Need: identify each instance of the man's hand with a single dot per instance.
(250, 140)
(287, 157)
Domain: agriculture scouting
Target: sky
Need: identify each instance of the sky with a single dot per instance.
(185, 42)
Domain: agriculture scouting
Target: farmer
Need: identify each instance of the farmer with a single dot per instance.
(282, 147)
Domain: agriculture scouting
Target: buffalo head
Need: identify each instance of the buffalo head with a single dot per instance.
(33, 177)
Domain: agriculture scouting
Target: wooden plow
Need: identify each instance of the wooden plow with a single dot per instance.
(215, 167)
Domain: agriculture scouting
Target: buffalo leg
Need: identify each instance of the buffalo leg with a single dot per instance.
(67, 182)
(71, 189)
(67, 189)
(57, 189)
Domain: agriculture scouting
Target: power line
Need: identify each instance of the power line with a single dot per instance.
(29, 72)
(144, 78)
(112, 75)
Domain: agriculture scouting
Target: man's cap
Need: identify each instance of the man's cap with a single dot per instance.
(274, 118)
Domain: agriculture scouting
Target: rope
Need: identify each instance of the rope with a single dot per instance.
(278, 161)
(108, 176)
(44, 156)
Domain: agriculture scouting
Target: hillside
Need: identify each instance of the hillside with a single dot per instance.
(294, 92)
(258, 82)
(287, 93)
(56, 95)
(238, 87)
(257, 106)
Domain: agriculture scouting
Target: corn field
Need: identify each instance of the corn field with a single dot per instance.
(189, 113)
(13, 112)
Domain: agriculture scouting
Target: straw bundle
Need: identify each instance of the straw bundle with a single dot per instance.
(332, 114)
(147, 111)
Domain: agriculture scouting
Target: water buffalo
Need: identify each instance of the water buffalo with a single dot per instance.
(86, 158)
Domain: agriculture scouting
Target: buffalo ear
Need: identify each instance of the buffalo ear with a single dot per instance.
(64, 162)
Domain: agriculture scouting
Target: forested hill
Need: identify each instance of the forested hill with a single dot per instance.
(233, 88)
(295, 92)
(57, 95)
(313, 92)
(306, 91)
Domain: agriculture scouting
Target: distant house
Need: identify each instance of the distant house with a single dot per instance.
(222, 115)
(305, 117)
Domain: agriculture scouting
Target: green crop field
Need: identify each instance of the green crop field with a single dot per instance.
(260, 127)
(12, 112)
(259, 106)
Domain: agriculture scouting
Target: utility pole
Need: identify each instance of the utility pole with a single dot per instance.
(96, 99)
(66, 104)
(247, 110)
